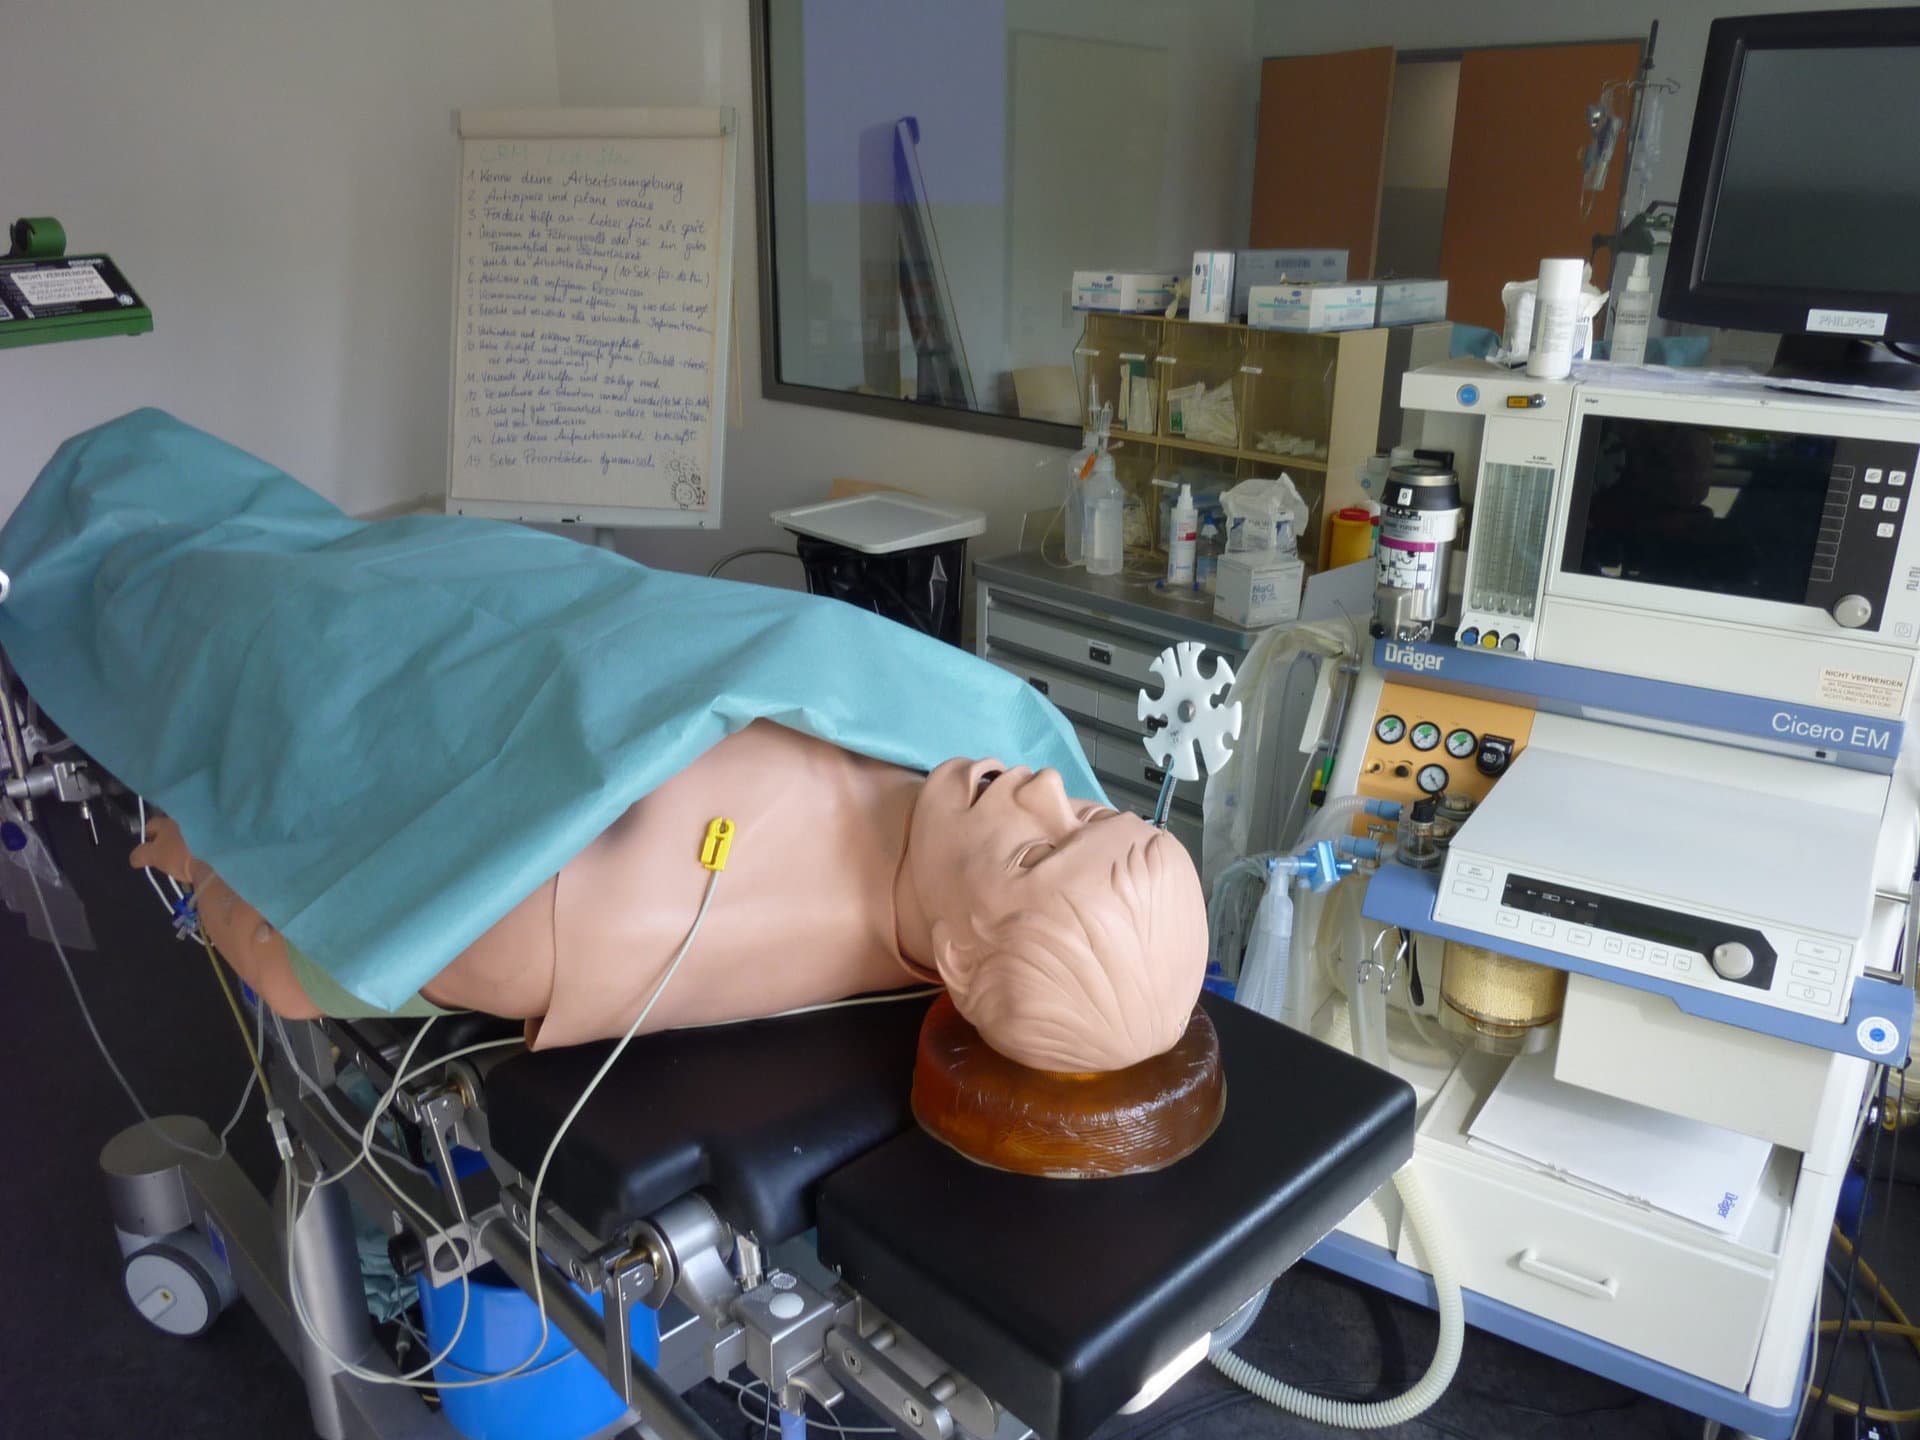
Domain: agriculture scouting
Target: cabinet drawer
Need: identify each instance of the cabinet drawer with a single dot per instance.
(1127, 761)
(1087, 646)
(1578, 1261)
(1079, 698)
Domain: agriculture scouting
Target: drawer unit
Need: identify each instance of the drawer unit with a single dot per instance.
(1126, 757)
(1093, 667)
(1080, 643)
(1635, 1277)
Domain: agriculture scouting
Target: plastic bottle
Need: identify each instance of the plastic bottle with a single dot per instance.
(1104, 503)
(1206, 555)
(1183, 539)
(1264, 972)
(1632, 314)
(1556, 314)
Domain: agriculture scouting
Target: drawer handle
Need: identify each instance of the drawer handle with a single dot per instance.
(1037, 683)
(1099, 654)
(1580, 1284)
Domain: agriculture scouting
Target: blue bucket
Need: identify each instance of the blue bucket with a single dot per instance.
(568, 1402)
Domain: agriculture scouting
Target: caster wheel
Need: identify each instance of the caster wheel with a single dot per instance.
(172, 1290)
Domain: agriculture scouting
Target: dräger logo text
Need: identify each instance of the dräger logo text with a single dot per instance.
(1856, 737)
(1415, 660)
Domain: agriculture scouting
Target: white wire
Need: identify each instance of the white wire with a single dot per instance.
(73, 983)
(889, 997)
(147, 870)
(760, 1387)
(326, 1101)
(402, 1074)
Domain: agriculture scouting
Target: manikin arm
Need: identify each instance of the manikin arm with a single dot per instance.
(238, 931)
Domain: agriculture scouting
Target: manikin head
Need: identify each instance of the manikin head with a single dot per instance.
(1072, 937)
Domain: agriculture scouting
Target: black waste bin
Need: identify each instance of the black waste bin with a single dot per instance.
(892, 554)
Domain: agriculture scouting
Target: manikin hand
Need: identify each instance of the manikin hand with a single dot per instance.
(164, 849)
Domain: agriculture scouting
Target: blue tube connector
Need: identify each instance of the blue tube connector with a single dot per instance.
(1383, 809)
(1319, 866)
(1362, 848)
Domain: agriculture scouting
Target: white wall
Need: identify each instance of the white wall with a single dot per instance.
(277, 180)
(679, 52)
(1307, 27)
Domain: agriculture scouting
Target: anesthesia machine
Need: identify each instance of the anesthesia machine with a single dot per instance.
(1639, 939)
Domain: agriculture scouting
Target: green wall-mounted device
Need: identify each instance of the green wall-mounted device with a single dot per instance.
(47, 294)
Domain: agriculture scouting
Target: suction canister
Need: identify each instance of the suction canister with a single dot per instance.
(1420, 520)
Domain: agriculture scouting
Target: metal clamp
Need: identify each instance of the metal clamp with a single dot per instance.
(867, 1369)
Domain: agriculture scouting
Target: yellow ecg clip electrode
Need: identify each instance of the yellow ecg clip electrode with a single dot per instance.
(713, 849)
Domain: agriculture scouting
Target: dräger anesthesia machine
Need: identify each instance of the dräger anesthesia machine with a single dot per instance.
(1640, 940)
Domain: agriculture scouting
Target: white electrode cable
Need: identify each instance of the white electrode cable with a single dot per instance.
(401, 1074)
(86, 1014)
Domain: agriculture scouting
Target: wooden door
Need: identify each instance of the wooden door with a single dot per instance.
(1321, 153)
(1513, 189)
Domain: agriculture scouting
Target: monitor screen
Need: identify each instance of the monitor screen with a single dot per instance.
(1732, 512)
(1820, 187)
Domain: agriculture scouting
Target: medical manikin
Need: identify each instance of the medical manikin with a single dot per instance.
(1071, 936)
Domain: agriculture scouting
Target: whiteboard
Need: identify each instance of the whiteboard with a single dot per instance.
(592, 311)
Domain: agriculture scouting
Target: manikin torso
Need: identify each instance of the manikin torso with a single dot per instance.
(1071, 935)
(802, 913)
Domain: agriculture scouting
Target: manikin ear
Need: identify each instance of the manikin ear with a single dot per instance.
(954, 957)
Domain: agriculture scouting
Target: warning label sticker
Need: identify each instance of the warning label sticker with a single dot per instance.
(1861, 692)
(61, 287)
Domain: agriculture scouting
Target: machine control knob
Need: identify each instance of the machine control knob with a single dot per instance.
(1852, 611)
(1732, 960)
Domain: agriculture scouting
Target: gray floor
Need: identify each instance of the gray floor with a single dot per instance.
(76, 1362)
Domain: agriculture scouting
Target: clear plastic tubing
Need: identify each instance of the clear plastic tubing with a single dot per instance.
(1366, 1000)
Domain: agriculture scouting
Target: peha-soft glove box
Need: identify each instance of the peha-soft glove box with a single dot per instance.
(1271, 267)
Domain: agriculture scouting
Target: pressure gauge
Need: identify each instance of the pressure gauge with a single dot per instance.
(1390, 729)
(1425, 735)
(1462, 743)
(1432, 778)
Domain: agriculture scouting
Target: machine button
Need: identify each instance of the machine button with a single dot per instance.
(1813, 995)
(1818, 950)
(1732, 960)
(1842, 472)
(1469, 892)
(1466, 870)
(1613, 945)
(1869, 502)
(1659, 957)
(1682, 960)
(1853, 611)
(1580, 937)
(1470, 635)
(1544, 927)
(1822, 973)
(786, 1306)
(1891, 503)
(1883, 531)
(1490, 640)
(1896, 478)
(1636, 952)
(1510, 643)
(1507, 920)
(1874, 472)
(1496, 753)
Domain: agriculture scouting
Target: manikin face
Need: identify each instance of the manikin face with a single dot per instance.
(1072, 936)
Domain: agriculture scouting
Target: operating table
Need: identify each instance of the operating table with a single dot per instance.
(951, 1299)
